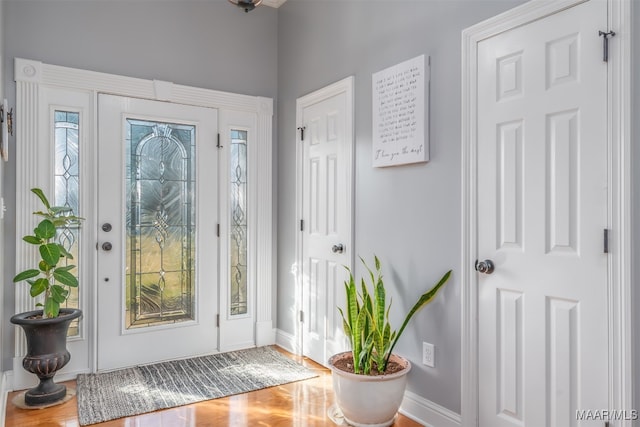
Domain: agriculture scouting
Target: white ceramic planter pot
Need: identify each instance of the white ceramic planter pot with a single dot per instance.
(369, 401)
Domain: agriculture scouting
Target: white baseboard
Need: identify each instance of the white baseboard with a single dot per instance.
(427, 412)
(20, 378)
(287, 341)
(265, 333)
(9, 381)
(4, 392)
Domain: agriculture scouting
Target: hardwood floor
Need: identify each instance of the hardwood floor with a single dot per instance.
(299, 404)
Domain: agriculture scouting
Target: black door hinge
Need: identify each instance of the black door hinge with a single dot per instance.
(302, 225)
(605, 44)
(218, 143)
(301, 316)
(606, 241)
(218, 230)
(301, 129)
(217, 320)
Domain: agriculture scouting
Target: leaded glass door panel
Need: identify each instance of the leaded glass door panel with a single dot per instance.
(237, 237)
(157, 250)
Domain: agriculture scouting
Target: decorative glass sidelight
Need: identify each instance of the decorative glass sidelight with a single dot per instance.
(160, 223)
(238, 223)
(67, 190)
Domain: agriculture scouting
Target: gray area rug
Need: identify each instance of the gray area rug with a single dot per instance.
(110, 395)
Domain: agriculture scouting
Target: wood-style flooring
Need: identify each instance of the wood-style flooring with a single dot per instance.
(299, 404)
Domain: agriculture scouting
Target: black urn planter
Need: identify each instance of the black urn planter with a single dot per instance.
(46, 352)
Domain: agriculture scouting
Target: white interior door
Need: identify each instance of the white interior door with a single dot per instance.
(326, 118)
(157, 243)
(542, 209)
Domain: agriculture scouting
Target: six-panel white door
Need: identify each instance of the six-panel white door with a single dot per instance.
(326, 215)
(542, 197)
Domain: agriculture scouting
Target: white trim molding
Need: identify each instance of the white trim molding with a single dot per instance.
(34, 80)
(265, 240)
(273, 3)
(621, 327)
(288, 341)
(427, 412)
(621, 369)
(5, 388)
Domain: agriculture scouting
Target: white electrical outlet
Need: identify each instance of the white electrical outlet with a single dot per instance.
(428, 354)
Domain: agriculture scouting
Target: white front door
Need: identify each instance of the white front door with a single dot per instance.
(327, 143)
(157, 243)
(542, 211)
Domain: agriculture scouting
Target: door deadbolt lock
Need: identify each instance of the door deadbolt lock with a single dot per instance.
(106, 227)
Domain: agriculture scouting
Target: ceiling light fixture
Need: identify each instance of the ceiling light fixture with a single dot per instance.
(247, 5)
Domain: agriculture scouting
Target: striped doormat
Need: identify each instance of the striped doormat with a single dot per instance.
(127, 392)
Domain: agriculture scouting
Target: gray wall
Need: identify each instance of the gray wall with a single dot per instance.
(409, 216)
(207, 43)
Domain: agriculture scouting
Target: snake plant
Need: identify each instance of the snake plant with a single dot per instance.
(49, 278)
(366, 319)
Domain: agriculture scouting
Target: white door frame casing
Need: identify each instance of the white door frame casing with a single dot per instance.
(32, 79)
(619, 200)
(345, 86)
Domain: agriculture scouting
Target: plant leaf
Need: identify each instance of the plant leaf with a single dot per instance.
(368, 269)
(32, 239)
(422, 301)
(27, 274)
(38, 192)
(64, 252)
(64, 277)
(379, 299)
(59, 294)
(60, 209)
(51, 308)
(38, 287)
(43, 266)
(345, 324)
(50, 253)
(45, 230)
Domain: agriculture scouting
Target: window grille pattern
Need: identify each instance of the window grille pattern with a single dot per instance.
(238, 220)
(67, 191)
(160, 223)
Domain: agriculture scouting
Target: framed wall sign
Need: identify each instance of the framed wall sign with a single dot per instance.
(400, 113)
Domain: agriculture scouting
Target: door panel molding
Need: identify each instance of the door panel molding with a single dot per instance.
(621, 375)
(32, 80)
(346, 87)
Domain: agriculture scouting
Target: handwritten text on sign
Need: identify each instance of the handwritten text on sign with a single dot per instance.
(399, 114)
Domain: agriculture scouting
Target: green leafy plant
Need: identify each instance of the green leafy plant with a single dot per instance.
(50, 279)
(366, 320)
